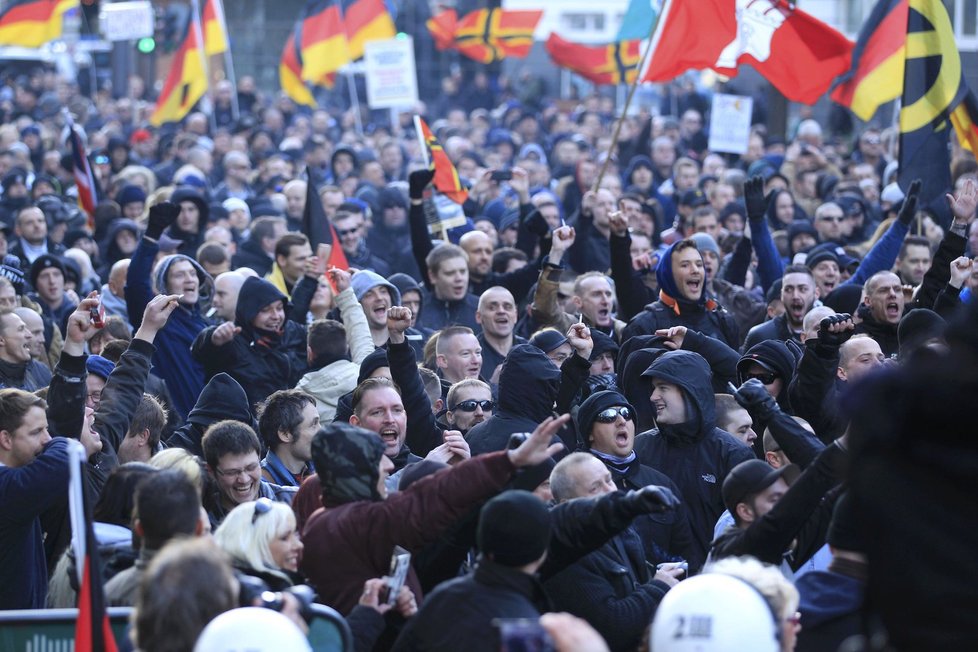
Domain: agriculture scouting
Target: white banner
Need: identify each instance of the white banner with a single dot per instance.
(730, 123)
(392, 80)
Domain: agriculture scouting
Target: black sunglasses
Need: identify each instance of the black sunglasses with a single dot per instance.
(612, 413)
(472, 404)
(765, 378)
(262, 506)
(345, 232)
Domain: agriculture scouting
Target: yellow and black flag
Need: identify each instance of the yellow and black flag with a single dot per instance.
(933, 89)
(32, 23)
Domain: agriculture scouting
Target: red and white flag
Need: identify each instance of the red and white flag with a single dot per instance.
(797, 53)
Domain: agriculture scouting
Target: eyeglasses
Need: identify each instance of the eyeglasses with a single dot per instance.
(833, 218)
(345, 232)
(472, 404)
(765, 378)
(612, 413)
(262, 506)
(233, 473)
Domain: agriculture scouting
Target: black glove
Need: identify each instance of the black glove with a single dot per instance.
(753, 397)
(10, 270)
(536, 224)
(652, 500)
(161, 216)
(418, 181)
(828, 338)
(754, 198)
(909, 208)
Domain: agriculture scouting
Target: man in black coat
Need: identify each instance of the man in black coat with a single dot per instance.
(687, 446)
(798, 292)
(606, 423)
(612, 588)
(262, 350)
(258, 251)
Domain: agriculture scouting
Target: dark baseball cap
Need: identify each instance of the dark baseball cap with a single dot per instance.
(693, 198)
(752, 477)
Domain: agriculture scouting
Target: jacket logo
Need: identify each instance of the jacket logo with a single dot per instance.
(709, 477)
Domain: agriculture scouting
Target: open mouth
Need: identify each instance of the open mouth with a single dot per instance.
(621, 438)
(243, 493)
(381, 311)
(604, 315)
(502, 321)
(829, 285)
(390, 437)
(892, 310)
(694, 285)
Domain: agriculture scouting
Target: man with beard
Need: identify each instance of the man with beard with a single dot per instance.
(497, 316)
(260, 349)
(798, 293)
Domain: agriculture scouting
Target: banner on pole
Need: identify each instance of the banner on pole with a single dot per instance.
(392, 80)
(730, 123)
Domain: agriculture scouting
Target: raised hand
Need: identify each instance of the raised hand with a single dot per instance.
(964, 203)
(579, 337)
(80, 328)
(398, 320)
(537, 447)
(156, 314)
(675, 337)
(161, 216)
(960, 271)
(753, 397)
(562, 239)
(653, 499)
(224, 333)
(339, 278)
(754, 198)
(834, 330)
(909, 208)
(418, 181)
(618, 223)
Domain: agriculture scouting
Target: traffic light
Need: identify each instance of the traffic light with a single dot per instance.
(146, 44)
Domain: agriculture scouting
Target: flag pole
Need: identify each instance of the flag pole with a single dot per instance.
(628, 101)
(229, 62)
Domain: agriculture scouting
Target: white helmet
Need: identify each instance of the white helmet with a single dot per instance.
(251, 629)
(715, 613)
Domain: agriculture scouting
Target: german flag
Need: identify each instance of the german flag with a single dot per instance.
(290, 75)
(965, 121)
(446, 178)
(933, 89)
(186, 82)
(322, 40)
(442, 28)
(365, 20)
(490, 35)
(876, 75)
(32, 23)
(215, 28)
(317, 227)
(615, 63)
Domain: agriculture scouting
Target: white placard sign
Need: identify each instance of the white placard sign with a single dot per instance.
(392, 80)
(730, 123)
(126, 21)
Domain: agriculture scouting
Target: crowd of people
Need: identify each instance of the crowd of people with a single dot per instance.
(628, 395)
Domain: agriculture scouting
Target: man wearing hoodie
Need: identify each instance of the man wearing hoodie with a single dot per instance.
(175, 274)
(683, 300)
(529, 384)
(191, 222)
(222, 398)
(335, 350)
(375, 294)
(687, 446)
(260, 349)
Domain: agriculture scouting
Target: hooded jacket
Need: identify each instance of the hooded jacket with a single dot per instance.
(262, 362)
(222, 398)
(831, 604)
(172, 361)
(705, 315)
(190, 242)
(251, 255)
(528, 386)
(110, 249)
(696, 454)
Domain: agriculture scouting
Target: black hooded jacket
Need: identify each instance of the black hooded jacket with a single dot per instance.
(222, 398)
(696, 454)
(884, 333)
(528, 386)
(261, 362)
(251, 255)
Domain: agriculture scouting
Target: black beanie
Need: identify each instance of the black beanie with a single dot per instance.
(514, 529)
(602, 344)
(373, 362)
(594, 404)
(844, 299)
(773, 355)
(916, 327)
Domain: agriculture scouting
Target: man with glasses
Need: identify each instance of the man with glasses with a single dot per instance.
(232, 450)
(350, 224)
(469, 403)
(606, 426)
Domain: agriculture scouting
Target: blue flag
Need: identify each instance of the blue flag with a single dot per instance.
(638, 19)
